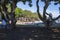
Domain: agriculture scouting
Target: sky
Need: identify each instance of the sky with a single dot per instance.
(54, 9)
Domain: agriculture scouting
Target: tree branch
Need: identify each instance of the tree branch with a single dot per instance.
(47, 13)
(44, 10)
(56, 18)
(38, 10)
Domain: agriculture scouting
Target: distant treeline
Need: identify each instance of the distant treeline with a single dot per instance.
(28, 15)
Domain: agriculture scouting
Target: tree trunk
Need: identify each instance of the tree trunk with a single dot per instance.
(13, 19)
(44, 10)
(6, 13)
(0, 7)
(39, 15)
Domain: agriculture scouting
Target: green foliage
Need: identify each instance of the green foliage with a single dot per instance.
(18, 12)
(29, 14)
(35, 15)
(9, 8)
(25, 13)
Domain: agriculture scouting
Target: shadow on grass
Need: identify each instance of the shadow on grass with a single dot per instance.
(29, 32)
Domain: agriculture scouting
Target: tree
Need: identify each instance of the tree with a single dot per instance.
(44, 18)
(12, 3)
(27, 13)
(18, 12)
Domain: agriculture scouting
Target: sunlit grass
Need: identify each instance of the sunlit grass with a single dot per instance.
(0, 22)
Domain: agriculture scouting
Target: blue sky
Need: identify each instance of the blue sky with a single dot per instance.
(51, 9)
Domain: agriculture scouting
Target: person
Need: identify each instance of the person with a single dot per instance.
(3, 21)
(49, 19)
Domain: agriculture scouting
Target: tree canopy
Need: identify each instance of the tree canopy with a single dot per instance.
(18, 12)
(3, 8)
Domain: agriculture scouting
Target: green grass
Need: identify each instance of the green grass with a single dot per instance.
(0, 22)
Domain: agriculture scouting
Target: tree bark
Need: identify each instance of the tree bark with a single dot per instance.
(56, 18)
(44, 10)
(13, 19)
(6, 13)
(39, 15)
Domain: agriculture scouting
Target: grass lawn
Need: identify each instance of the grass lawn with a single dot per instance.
(28, 32)
(0, 22)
